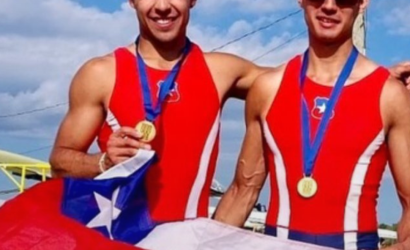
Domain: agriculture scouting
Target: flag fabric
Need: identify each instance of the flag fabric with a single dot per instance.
(114, 203)
(103, 213)
(207, 234)
(110, 212)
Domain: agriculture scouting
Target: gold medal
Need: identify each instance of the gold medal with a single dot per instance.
(147, 130)
(307, 187)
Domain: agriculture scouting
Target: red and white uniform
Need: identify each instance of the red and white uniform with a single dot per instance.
(178, 185)
(349, 166)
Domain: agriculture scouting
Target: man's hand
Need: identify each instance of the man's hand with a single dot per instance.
(401, 72)
(122, 145)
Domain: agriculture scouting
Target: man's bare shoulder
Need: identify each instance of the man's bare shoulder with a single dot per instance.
(270, 80)
(395, 100)
(265, 88)
(96, 77)
(394, 91)
(97, 68)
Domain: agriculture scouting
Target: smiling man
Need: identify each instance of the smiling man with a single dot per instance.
(324, 126)
(161, 92)
(136, 86)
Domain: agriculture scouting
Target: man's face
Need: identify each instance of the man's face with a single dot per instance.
(163, 20)
(332, 20)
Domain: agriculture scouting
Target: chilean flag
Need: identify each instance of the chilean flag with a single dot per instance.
(110, 213)
(102, 213)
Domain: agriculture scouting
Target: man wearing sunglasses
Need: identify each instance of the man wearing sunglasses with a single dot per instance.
(109, 98)
(324, 126)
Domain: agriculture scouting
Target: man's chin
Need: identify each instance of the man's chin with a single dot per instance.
(165, 38)
(329, 38)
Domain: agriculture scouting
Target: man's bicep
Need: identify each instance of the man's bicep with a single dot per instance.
(249, 73)
(79, 128)
(399, 147)
(86, 111)
(399, 141)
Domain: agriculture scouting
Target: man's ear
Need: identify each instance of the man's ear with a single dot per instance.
(132, 3)
(363, 5)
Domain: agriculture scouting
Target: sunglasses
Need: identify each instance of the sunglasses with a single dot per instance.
(338, 2)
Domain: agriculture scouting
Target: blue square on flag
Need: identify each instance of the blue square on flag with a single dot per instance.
(115, 202)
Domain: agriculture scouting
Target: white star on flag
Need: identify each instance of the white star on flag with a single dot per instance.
(108, 212)
(322, 108)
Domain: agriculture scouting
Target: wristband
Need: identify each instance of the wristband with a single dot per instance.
(101, 163)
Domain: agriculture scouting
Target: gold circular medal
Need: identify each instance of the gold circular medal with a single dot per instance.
(307, 187)
(147, 130)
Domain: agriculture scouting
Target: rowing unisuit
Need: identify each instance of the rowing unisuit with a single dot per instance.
(348, 170)
(178, 185)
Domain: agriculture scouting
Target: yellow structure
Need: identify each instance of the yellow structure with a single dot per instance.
(13, 165)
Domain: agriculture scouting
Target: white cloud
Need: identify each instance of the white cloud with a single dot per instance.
(255, 6)
(64, 19)
(43, 43)
(397, 19)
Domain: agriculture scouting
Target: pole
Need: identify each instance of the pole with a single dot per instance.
(359, 33)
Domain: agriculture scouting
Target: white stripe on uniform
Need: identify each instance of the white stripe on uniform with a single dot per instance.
(284, 202)
(112, 121)
(351, 220)
(194, 196)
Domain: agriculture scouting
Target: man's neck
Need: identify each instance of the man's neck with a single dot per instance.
(160, 55)
(327, 60)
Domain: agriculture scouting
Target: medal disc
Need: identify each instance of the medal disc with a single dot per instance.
(307, 187)
(147, 130)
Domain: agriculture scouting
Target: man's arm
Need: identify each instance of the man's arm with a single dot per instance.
(90, 92)
(235, 73)
(396, 110)
(248, 74)
(240, 198)
(81, 123)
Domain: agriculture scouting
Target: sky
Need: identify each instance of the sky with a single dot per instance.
(44, 42)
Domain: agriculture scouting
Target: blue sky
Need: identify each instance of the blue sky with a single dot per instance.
(43, 42)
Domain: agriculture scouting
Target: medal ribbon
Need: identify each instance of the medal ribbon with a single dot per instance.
(151, 112)
(310, 151)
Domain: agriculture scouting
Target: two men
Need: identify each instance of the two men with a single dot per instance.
(162, 83)
(324, 126)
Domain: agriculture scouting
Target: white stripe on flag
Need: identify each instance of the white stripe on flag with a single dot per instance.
(351, 220)
(206, 234)
(129, 166)
(284, 203)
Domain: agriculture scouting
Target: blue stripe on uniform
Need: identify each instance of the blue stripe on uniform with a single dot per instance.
(366, 241)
